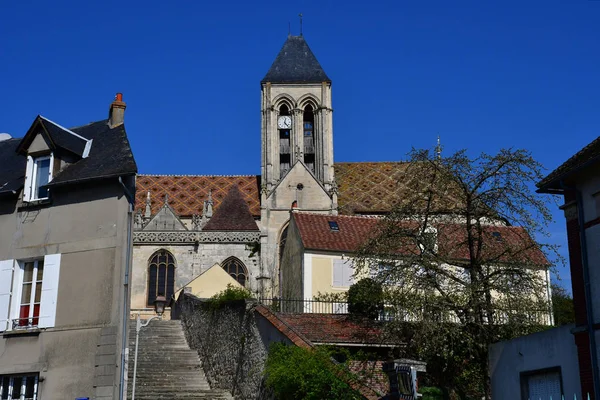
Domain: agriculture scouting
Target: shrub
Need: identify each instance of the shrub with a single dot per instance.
(295, 373)
(231, 293)
(365, 298)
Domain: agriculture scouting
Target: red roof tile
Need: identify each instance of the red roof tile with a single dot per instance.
(335, 328)
(506, 243)
(232, 215)
(188, 192)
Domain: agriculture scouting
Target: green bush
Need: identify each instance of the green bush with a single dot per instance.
(231, 293)
(295, 373)
(365, 298)
(431, 393)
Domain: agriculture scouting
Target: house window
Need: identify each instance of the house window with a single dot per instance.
(541, 384)
(236, 269)
(31, 294)
(28, 292)
(343, 273)
(161, 276)
(428, 240)
(38, 174)
(19, 387)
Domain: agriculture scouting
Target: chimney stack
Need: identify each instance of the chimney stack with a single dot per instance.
(116, 113)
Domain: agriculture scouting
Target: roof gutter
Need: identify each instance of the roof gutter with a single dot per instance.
(586, 286)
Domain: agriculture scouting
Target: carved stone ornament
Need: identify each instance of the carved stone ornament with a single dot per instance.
(192, 237)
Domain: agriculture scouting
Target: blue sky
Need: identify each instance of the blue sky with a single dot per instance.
(482, 75)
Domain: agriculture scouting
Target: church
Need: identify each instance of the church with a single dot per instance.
(187, 224)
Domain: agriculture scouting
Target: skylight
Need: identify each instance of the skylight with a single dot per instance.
(333, 225)
(497, 235)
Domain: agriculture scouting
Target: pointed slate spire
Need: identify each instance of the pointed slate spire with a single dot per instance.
(296, 63)
(233, 214)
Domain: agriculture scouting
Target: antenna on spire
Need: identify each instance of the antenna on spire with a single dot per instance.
(300, 15)
(289, 29)
(438, 149)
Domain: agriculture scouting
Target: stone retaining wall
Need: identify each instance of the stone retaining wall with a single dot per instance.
(232, 342)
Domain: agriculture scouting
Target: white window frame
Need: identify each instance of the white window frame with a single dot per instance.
(11, 286)
(31, 190)
(11, 382)
(347, 273)
(18, 282)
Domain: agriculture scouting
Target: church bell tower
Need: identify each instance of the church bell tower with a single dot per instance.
(296, 116)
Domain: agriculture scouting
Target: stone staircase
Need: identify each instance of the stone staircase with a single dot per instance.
(167, 368)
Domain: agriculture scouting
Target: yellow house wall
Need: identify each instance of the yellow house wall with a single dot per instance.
(211, 282)
(322, 274)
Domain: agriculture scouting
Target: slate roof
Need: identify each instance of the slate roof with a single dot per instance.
(586, 156)
(296, 63)
(232, 215)
(12, 166)
(512, 244)
(188, 192)
(110, 154)
(377, 187)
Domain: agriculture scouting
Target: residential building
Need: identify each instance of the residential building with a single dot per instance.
(66, 198)
(577, 180)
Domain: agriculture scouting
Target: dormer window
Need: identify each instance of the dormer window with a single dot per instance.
(39, 174)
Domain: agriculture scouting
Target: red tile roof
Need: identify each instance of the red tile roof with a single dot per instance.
(232, 215)
(335, 328)
(188, 192)
(512, 244)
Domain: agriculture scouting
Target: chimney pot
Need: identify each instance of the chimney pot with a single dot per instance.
(116, 113)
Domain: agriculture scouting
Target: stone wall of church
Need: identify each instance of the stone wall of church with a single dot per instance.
(190, 261)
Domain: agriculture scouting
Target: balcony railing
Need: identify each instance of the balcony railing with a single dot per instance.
(394, 312)
(25, 323)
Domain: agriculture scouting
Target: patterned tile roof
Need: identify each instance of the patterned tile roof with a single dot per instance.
(335, 328)
(232, 215)
(377, 187)
(501, 243)
(585, 156)
(188, 192)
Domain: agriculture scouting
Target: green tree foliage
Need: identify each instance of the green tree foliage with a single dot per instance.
(458, 276)
(365, 298)
(295, 373)
(231, 293)
(562, 306)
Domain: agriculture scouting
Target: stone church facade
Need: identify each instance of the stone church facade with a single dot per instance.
(186, 224)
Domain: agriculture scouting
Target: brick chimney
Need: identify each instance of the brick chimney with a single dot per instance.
(116, 113)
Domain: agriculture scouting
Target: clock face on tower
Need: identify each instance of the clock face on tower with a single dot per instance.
(284, 122)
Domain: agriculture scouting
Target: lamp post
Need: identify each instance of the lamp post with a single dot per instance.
(159, 307)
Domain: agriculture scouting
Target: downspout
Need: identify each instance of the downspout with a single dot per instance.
(587, 288)
(128, 249)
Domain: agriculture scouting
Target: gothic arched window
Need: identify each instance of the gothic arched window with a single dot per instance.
(236, 269)
(161, 276)
(309, 137)
(284, 125)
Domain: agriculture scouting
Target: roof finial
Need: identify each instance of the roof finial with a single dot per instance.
(148, 212)
(438, 149)
(300, 15)
(289, 29)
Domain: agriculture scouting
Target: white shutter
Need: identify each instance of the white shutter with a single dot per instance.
(51, 167)
(6, 277)
(49, 290)
(348, 273)
(27, 192)
(338, 273)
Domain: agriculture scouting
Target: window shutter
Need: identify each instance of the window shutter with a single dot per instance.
(6, 277)
(348, 273)
(49, 290)
(338, 273)
(28, 179)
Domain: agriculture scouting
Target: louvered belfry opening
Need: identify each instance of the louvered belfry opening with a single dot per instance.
(309, 137)
(284, 143)
(161, 276)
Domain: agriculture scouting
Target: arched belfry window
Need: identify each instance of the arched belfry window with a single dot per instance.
(284, 125)
(161, 276)
(309, 137)
(236, 269)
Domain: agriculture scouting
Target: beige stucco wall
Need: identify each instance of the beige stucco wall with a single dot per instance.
(322, 273)
(210, 282)
(87, 225)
